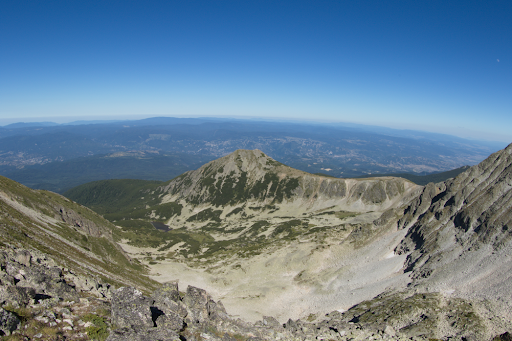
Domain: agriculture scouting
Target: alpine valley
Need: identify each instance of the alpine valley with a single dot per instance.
(281, 254)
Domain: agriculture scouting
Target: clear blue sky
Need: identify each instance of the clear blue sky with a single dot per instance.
(441, 66)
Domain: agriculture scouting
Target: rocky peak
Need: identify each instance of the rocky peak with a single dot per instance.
(239, 176)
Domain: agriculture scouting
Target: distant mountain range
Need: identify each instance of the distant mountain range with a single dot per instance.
(49, 156)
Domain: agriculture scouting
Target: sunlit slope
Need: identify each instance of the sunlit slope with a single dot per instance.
(74, 236)
(457, 246)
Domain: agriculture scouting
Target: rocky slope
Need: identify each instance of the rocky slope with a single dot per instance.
(74, 236)
(459, 237)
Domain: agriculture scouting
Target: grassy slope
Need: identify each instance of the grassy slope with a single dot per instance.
(32, 219)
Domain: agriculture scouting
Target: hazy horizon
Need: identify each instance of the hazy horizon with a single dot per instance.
(436, 67)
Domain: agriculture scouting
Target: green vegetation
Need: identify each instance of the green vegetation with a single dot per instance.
(344, 214)
(99, 329)
(235, 211)
(124, 199)
(207, 214)
(109, 196)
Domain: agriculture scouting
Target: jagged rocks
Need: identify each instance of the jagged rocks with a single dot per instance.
(143, 318)
(167, 316)
(24, 280)
(197, 301)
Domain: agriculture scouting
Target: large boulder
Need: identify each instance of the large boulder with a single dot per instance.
(131, 308)
(16, 296)
(196, 300)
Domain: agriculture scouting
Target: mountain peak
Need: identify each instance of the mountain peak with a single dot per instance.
(250, 175)
(244, 160)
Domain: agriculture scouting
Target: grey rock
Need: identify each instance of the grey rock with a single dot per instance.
(389, 331)
(131, 308)
(23, 257)
(196, 301)
(8, 321)
(139, 333)
(167, 292)
(170, 321)
(16, 296)
(270, 322)
(167, 299)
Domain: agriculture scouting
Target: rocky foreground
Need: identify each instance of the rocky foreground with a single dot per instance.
(42, 301)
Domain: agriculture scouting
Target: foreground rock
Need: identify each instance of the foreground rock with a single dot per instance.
(166, 315)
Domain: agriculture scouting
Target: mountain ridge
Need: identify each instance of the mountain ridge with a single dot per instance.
(259, 177)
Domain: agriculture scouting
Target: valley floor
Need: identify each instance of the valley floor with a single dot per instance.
(295, 281)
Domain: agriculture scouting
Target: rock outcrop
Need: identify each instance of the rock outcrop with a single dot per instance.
(167, 316)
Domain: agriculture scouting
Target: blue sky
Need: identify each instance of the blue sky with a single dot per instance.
(443, 66)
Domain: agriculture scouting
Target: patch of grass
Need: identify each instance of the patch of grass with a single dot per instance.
(235, 211)
(99, 329)
(345, 214)
(207, 214)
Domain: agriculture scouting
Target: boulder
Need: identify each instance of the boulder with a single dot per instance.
(131, 308)
(196, 301)
(16, 296)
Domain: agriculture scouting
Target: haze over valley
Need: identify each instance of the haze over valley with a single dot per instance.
(59, 157)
